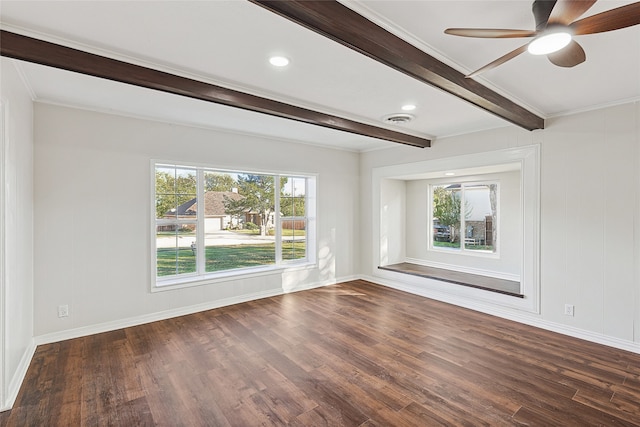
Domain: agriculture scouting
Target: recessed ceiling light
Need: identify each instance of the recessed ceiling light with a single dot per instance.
(449, 174)
(408, 107)
(279, 61)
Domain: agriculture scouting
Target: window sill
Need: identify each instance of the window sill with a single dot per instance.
(226, 276)
(491, 284)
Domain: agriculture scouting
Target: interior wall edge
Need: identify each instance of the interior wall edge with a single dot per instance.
(16, 247)
(18, 377)
(636, 228)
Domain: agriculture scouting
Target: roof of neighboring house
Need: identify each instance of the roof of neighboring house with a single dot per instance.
(213, 203)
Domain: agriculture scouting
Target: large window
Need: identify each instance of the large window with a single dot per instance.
(211, 222)
(465, 216)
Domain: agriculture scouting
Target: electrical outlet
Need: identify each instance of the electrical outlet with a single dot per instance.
(63, 310)
(568, 309)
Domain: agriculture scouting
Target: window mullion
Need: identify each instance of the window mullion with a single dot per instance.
(463, 222)
(307, 223)
(200, 223)
(278, 220)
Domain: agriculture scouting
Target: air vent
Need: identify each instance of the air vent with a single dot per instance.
(397, 119)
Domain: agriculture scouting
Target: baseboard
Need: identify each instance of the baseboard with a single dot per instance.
(18, 377)
(527, 319)
(182, 311)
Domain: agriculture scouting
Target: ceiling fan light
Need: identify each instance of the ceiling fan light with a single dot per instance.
(549, 43)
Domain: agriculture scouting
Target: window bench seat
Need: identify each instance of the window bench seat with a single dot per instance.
(492, 284)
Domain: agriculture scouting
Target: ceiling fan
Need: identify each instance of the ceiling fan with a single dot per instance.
(556, 26)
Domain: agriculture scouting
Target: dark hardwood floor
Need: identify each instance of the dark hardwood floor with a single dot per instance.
(354, 354)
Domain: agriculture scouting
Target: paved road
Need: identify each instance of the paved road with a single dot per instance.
(218, 238)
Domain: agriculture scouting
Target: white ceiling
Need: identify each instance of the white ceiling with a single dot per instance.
(228, 43)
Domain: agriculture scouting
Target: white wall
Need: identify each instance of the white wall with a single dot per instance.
(92, 192)
(16, 275)
(590, 185)
(393, 228)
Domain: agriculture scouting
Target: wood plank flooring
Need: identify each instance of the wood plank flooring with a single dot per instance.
(353, 354)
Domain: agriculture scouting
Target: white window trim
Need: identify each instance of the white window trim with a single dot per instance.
(462, 251)
(4, 384)
(280, 266)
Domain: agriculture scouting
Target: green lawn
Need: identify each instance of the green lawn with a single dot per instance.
(218, 258)
(479, 247)
(446, 244)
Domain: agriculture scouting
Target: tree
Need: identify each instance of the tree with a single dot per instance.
(446, 207)
(493, 200)
(219, 182)
(292, 206)
(292, 197)
(258, 198)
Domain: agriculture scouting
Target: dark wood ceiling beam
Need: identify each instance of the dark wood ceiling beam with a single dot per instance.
(343, 25)
(29, 49)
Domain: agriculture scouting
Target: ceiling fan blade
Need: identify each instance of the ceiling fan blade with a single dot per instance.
(567, 11)
(501, 60)
(491, 33)
(614, 19)
(569, 56)
(541, 11)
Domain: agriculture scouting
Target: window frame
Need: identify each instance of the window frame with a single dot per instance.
(462, 250)
(293, 218)
(200, 276)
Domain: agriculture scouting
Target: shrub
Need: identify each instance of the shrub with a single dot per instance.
(250, 226)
